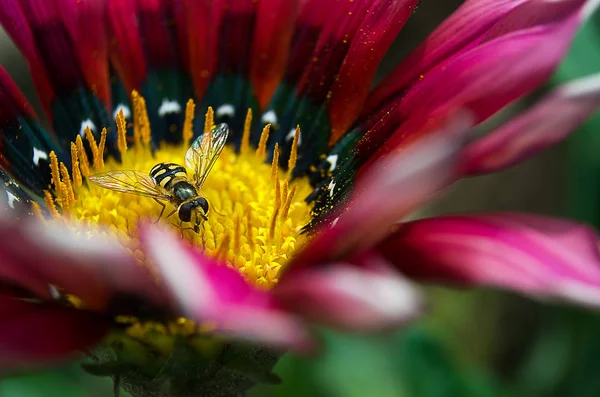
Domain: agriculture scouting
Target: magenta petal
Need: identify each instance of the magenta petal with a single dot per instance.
(388, 191)
(93, 269)
(549, 122)
(207, 291)
(349, 297)
(33, 334)
(535, 255)
(462, 30)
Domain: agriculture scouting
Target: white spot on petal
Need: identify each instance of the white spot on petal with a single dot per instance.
(332, 159)
(225, 110)
(124, 108)
(85, 124)
(291, 134)
(331, 187)
(37, 155)
(269, 117)
(168, 106)
(11, 199)
(335, 221)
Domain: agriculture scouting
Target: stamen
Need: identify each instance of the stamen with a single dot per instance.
(121, 132)
(261, 151)
(188, 124)
(277, 194)
(246, 135)
(77, 180)
(55, 173)
(209, 120)
(288, 203)
(294, 153)
(70, 197)
(84, 163)
(284, 191)
(275, 163)
(92, 141)
(101, 146)
(141, 123)
(50, 204)
(273, 223)
(37, 211)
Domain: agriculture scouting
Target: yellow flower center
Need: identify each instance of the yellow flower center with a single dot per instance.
(256, 210)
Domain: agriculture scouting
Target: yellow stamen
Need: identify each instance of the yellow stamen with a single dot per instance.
(141, 123)
(50, 204)
(84, 164)
(249, 232)
(275, 163)
(188, 124)
(261, 152)
(237, 236)
(209, 120)
(92, 141)
(284, 191)
(77, 180)
(55, 173)
(277, 194)
(294, 152)
(100, 163)
(37, 212)
(246, 135)
(223, 248)
(288, 202)
(273, 224)
(70, 197)
(121, 132)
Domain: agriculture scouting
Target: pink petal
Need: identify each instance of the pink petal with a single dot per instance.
(462, 30)
(35, 334)
(535, 255)
(351, 298)
(549, 122)
(389, 191)
(485, 78)
(93, 269)
(209, 292)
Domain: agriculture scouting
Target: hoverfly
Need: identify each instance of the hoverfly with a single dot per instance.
(168, 182)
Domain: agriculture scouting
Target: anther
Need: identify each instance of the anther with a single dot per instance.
(209, 120)
(249, 232)
(50, 204)
(84, 164)
(284, 191)
(101, 147)
(121, 132)
(70, 198)
(294, 152)
(246, 135)
(37, 211)
(55, 173)
(275, 163)
(273, 223)
(92, 141)
(288, 203)
(237, 236)
(188, 124)
(77, 180)
(261, 151)
(277, 194)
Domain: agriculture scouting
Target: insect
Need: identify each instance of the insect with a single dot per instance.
(169, 183)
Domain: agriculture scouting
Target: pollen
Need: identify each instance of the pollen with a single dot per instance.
(256, 211)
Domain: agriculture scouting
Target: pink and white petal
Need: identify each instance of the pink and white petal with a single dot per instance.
(386, 193)
(546, 124)
(461, 31)
(38, 334)
(210, 292)
(535, 255)
(91, 268)
(351, 298)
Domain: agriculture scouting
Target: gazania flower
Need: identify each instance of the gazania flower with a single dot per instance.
(300, 220)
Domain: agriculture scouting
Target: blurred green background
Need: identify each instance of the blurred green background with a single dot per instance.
(471, 343)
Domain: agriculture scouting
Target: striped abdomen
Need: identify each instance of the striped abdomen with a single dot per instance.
(167, 174)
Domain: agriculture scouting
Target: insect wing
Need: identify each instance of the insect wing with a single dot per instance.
(133, 182)
(205, 151)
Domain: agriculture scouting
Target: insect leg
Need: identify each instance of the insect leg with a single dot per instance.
(163, 205)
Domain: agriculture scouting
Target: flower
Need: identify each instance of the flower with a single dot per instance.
(304, 202)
